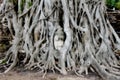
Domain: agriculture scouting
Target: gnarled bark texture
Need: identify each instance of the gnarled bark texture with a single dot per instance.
(63, 35)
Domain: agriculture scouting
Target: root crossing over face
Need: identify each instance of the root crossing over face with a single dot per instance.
(59, 39)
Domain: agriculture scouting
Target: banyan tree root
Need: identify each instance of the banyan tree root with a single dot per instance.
(63, 35)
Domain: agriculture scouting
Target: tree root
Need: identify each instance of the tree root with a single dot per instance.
(86, 38)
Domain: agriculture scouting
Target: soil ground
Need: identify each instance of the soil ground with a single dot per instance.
(20, 73)
(27, 75)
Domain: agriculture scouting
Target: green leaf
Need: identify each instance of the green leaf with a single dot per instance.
(117, 5)
(110, 3)
(30, 3)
